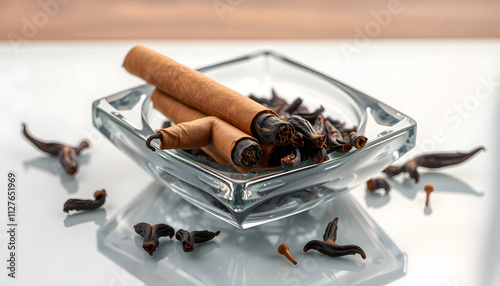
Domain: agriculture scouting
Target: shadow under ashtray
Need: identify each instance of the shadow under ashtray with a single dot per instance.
(250, 256)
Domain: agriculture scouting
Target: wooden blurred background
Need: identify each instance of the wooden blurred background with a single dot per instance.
(247, 19)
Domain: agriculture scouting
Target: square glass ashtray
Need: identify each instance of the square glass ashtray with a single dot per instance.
(127, 118)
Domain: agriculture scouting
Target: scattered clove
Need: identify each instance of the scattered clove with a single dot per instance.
(152, 234)
(67, 155)
(428, 190)
(80, 205)
(432, 161)
(328, 245)
(374, 184)
(285, 251)
(188, 239)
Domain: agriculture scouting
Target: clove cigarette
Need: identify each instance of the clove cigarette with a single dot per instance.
(222, 141)
(208, 96)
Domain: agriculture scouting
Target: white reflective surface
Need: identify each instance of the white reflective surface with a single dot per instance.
(239, 257)
(451, 88)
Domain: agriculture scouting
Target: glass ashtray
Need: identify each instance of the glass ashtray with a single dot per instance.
(127, 118)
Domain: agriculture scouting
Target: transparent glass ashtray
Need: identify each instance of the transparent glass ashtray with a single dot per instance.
(127, 118)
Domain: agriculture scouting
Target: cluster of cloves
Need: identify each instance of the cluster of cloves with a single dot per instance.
(430, 161)
(327, 246)
(315, 136)
(152, 233)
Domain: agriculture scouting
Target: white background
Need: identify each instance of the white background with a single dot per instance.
(51, 86)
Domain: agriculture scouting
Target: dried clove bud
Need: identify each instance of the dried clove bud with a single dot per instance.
(374, 184)
(152, 234)
(319, 125)
(297, 140)
(311, 116)
(291, 161)
(79, 204)
(188, 239)
(285, 251)
(305, 128)
(432, 161)
(276, 99)
(290, 109)
(328, 245)
(268, 128)
(358, 141)
(319, 155)
(428, 190)
(67, 155)
(335, 141)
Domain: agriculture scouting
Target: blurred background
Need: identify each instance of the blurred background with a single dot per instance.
(245, 19)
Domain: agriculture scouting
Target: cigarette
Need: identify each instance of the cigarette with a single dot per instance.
(219, 139)
(208, 96)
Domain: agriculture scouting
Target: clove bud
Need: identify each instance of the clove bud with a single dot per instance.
(285, 251)
(151, 235)
(79, 204)
(188, 239)
(328, 245)
(67, 155)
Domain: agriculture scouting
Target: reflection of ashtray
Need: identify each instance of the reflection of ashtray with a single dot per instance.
(250, 256)
(245, 200)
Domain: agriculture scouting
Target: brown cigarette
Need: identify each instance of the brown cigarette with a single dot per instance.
(208, 96)
(222, 141)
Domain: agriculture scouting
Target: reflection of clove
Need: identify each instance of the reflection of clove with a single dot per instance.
(67, 155)
(80, 205)
(374, 184)
(432, 161)
(152, 234)
(328, 245)
(188, 239)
